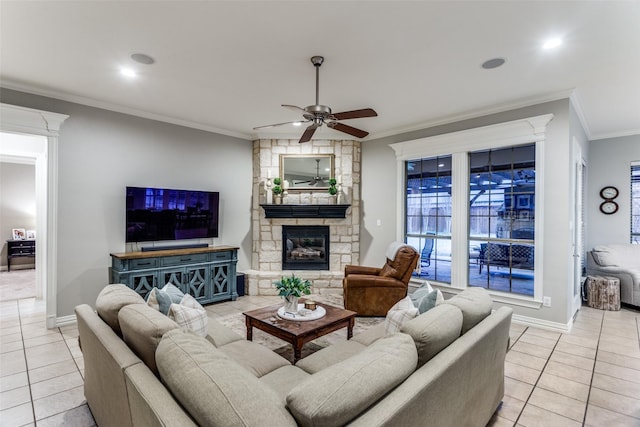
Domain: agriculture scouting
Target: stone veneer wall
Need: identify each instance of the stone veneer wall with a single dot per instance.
(266, 257)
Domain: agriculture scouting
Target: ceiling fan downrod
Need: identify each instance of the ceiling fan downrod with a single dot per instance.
(317, 62)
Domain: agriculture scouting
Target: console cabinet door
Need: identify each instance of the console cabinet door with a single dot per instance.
(197, 283)
(142, 283)
(175, 276)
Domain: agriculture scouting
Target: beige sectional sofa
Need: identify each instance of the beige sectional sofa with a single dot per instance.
(444, 368)
(621, 261)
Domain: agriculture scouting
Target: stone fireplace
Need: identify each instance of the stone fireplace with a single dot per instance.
(269, 261)
(305, 247)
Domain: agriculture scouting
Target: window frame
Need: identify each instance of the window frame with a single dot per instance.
(458, 145)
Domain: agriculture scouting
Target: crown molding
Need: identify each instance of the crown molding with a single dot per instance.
(632, 132)
(121, 109)
(475, 113)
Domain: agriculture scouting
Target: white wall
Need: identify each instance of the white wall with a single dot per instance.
(609, 164)
(100, 153)
(379, 174)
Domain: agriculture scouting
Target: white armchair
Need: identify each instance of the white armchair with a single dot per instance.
(621, 261)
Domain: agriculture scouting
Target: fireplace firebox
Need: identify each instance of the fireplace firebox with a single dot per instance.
(305, 247)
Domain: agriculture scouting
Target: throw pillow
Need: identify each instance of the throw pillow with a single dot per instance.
(161, 299)
(402, 311)
(425, 297)
(190, 315)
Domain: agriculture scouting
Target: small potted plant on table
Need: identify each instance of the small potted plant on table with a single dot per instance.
(292, 288)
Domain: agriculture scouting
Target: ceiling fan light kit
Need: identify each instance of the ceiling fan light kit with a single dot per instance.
(318, 115)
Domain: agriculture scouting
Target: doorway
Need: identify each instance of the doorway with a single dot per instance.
(22, 158)
(42, 126)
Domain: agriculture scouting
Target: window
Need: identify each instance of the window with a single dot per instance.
(635, 203)
(428, 208)
(469, 200)
(502, 219)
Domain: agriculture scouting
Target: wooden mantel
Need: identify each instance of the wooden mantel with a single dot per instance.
(305, 211)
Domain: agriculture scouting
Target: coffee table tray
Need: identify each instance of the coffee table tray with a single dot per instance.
(303, 314)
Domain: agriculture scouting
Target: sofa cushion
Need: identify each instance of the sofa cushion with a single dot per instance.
(190, 315)
(371, 335)
(605, 256)
(283, 380)
(475, 304)
(142, 330)
(338, 394)
(220, 335)
(329, 356)
(256, 359)
(214, 389)
(434, 330)
(402, 311)
(111, 299)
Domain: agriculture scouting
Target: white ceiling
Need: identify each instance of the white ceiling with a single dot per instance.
(227, 66)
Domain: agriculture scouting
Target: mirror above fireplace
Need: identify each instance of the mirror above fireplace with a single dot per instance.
(307, 171)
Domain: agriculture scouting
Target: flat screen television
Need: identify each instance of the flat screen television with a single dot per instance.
(155, 214)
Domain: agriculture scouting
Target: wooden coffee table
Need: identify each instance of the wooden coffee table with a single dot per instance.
(299, 332)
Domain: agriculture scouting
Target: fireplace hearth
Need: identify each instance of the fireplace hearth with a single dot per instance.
(305, 247)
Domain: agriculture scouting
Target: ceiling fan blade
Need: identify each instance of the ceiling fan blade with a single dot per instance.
(280, 124)
(306, 136)
(358, 133)
(354, 114)
(295, 108)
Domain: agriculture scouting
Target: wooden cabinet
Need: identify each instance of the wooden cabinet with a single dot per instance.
(208, 274)
(18, 249)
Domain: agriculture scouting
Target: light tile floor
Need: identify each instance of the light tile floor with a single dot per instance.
(590, 376)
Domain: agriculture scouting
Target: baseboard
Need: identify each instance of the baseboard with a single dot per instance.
(65, 320)
(543, 324)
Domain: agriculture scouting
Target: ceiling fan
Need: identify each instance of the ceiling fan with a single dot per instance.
(319, 114)
(316, 179)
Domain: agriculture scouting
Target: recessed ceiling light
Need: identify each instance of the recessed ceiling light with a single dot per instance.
(297, 123)
(493, 63)
(551, 43)
(143, 58)
(128, 72)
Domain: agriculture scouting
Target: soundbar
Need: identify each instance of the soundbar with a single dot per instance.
(164, 248)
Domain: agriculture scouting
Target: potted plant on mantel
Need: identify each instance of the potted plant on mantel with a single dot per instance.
(277, 191)
(333, 190)
(292, 288)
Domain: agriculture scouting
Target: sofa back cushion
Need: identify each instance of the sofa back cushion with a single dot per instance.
(111, 299)
(214, 389)
(618, 255)
(142, 329)
(339, 393)
(475, 304)
(434, 330)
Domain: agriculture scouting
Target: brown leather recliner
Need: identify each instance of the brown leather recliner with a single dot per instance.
(371, 291)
